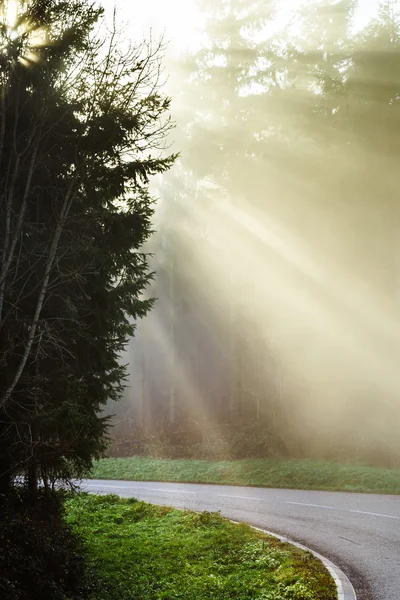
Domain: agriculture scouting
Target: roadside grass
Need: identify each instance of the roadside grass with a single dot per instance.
(273, 473)
(140, 552)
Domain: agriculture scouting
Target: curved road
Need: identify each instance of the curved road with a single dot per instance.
(358, 532)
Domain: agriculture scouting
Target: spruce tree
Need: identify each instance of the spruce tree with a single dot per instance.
(83, 124)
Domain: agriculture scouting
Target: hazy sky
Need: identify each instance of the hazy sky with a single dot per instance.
(182, 20)
(179, 19)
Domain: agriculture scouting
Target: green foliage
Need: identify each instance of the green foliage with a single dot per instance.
(280, 473)
(152, 552)
(207, 519)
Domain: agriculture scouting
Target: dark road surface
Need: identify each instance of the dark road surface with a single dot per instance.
(358, 532)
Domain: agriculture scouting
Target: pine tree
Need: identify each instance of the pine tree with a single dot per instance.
(80, 120)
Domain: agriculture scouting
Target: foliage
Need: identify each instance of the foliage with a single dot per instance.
(41, 558)
(146, 551)
(79, 127)
(298, 474)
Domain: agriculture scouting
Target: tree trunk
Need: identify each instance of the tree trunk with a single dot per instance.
(235, 355)
(41, 296)
(172, 338)
(143, 395)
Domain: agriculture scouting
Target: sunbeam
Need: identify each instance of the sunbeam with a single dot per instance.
(279, 221)
(19, 26)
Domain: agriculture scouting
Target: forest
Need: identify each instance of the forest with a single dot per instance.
(199, 259)
(276, 256)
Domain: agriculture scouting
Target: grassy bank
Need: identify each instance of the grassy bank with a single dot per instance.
(299, 474)
(142, 552)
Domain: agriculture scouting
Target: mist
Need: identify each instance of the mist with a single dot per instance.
(277, 244)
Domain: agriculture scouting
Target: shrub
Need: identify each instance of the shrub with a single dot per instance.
(40, 557)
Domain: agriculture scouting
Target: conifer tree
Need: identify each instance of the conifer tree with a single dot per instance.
(83, 124)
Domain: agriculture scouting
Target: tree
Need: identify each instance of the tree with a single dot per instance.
(80, 120)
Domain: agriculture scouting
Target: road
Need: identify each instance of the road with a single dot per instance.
(358, 532)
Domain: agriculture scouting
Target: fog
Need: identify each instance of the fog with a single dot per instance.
(277, 251)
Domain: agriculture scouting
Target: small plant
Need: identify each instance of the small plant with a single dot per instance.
(258, 553)
(207, 519)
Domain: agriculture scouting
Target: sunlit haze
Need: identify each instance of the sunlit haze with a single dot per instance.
(183, 21)
(283, 207)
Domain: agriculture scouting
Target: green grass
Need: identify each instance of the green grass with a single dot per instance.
(144, 552)
(298, 474)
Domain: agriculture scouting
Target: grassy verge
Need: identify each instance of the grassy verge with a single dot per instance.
(299, 474)
(141, 551)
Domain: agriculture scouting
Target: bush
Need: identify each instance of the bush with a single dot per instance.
(40, 557)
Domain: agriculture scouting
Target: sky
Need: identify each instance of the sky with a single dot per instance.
(180, 20)
(183, 21)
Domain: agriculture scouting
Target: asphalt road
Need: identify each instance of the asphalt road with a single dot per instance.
(358, 532)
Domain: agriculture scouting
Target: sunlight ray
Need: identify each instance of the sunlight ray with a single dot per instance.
(344, 320)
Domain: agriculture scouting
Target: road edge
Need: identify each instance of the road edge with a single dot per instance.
(344, 586)
(345, 589)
